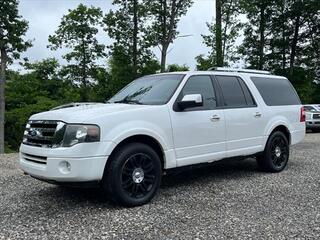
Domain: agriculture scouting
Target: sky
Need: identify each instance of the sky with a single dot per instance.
(44, 17)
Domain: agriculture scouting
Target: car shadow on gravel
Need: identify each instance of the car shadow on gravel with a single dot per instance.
(208, 172)
(180, 177)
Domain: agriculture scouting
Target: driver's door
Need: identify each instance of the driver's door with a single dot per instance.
(199, 132)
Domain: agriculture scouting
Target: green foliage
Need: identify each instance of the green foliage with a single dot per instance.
(39, 90)
(12, 29)
(101, 91)
(121, 68)
(284, 37)
(77, 31)
(230, 31)
(177, 68)
(17, 118)
(204, 62)
(257, 31)
(165, 16)
(130, 53)
(126, 26)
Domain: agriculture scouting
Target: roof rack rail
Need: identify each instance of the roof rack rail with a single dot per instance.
(239, 70)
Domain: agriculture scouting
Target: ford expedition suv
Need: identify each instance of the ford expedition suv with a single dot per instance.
(161, 122)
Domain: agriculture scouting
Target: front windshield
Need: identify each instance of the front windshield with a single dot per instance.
(153, 90)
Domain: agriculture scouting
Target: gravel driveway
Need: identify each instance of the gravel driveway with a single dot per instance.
(220, 201)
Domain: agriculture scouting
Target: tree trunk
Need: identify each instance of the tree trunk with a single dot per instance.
(2, 97)
(224, 36)
(262, 38)
(164, 36)
(294, 44)
(134, 38)
(219, 59)
(84, 90)
(283, 50)
(164, 50)
(283, 38)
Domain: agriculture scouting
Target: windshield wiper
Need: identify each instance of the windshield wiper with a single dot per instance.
(128, 101)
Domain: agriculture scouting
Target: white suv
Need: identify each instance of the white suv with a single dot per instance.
(165, 121)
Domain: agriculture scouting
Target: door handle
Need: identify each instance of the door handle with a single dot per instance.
(257, 115)
(215, 118)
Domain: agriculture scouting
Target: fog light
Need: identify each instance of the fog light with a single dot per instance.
(65, 167)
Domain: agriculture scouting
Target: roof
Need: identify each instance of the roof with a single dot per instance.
(226, 71)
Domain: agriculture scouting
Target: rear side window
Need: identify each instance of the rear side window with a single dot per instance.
(276, 91)
(249, 99)
(235, 92)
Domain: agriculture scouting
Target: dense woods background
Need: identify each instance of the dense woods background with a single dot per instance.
(282, 36)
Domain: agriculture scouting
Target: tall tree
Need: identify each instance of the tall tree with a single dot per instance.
(257, 31)
(77, 31)
(165, 15)
(12, 31)
(230, 29)
(305, 40)
(218, 31)
(296, 26)
(127, 27)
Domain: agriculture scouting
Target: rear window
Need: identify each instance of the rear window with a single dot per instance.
(276, 91)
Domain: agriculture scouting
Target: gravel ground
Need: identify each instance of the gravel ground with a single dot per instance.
(219, 201)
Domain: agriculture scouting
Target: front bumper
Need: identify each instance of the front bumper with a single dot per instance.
(80, 163)
(312, 124)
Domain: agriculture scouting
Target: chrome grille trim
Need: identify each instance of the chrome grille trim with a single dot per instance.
(44, 133)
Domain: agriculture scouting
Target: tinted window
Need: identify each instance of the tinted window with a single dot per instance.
(249, 98)
(200, 85)
(276, 91)
(156, 89)
(232, 91)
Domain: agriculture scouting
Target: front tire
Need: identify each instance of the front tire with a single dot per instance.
(133, 175)
(276, 154)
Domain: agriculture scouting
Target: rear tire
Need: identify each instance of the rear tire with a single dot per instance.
(133, 175)
(276, 154)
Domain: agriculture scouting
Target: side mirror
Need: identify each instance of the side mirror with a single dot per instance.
(190, 100)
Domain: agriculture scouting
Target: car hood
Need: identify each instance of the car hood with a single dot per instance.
(82, 114)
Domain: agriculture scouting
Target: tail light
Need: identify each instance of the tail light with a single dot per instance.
(302, 115)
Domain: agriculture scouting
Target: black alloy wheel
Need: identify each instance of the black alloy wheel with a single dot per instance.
(276, 154)
(133, 174)
(279, 152)
(138, 175)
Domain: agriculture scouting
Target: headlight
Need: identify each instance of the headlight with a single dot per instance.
(79, 134)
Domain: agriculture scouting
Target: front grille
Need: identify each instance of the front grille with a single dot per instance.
(316, 116)
(34, 158)
(44, 133)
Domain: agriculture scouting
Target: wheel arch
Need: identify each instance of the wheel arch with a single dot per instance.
(141, 138)
(282, 128)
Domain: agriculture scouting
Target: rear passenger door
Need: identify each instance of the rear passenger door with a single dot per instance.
(244, 119)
